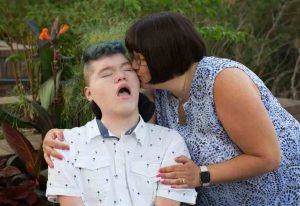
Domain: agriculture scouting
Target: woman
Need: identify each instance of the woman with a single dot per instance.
(245, 147)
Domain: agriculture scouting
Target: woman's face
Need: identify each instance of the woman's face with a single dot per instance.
(139, 64)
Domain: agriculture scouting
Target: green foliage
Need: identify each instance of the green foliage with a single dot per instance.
(261, 34)
(219, 33)
(46, 91)
(20, 187)
(75, 100)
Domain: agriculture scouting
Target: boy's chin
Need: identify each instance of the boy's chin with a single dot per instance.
(127, 111)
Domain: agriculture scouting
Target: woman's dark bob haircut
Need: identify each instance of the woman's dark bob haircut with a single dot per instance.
(168, 41)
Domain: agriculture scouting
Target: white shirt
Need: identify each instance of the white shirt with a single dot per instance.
(105, 170)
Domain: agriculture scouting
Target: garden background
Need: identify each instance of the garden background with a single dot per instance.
(46, 75)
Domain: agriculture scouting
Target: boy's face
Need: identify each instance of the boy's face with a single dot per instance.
(113, 85)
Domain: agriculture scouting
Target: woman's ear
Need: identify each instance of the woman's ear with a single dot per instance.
(87, 93)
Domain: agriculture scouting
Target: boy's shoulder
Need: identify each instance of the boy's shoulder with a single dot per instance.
(164, 132)
(81, 133)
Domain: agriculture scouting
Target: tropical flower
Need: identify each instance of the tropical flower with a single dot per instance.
(64, 28)
(45, 34)
(54, 34)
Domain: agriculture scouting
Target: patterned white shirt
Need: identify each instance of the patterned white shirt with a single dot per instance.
(105, 170)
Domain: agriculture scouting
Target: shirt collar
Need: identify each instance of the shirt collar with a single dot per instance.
(96, 128)
(140, 131)
(92, 130)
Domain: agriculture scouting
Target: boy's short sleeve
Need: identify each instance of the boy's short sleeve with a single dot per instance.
(63, 178)
(176, 148)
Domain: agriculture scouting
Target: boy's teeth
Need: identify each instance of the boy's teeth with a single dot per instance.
(123, 94)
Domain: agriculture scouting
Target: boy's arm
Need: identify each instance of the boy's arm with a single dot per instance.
(63, 178)
(67, 201)
(162, 201)
(176, 147)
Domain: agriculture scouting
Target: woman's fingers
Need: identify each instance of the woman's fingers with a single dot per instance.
(50, 143)
(55, 133)
(185, 175)
(182, 159)
(57, 145)
(171, 168)
(48, 160)
(170, 175)
(175, 182)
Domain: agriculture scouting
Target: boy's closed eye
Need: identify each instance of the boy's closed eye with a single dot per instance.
(130, 69)
(106, 74)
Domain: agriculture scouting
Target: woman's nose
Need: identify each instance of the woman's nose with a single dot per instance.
(135, 65)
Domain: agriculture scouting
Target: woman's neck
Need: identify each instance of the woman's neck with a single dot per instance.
(179, 86)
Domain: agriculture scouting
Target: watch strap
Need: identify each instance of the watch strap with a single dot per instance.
(204, 176)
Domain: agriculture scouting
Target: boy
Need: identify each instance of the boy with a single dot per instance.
(115, 160)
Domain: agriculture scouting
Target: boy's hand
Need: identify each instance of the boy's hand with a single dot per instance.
(50, 143)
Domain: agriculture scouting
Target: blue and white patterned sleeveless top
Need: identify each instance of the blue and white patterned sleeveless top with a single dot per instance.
(208, 142)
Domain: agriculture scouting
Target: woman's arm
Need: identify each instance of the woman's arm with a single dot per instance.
(162, 201)
(246, 120)
(67, 201)
(49, 143)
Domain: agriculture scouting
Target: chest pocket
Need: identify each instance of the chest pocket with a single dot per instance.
(95, 178)
(144, 176)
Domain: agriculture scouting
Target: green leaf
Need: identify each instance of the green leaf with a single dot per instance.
(46, 60)
(15, 58)
(46, 91)
(14, 120)
(43, 121)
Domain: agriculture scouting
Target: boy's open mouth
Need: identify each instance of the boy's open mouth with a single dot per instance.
(124, 90)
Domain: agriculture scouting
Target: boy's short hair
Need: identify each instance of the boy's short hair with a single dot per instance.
(100, 50)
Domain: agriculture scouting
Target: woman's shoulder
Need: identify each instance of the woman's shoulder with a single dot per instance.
(218, 62)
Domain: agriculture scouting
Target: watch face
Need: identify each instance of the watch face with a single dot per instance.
(205, 177)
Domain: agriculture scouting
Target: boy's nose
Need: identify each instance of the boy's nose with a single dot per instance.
(120, 76)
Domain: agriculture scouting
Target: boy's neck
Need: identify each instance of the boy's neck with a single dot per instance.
(118, 125)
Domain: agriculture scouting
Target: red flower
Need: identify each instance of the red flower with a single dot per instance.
(45, 34)
(64, 28)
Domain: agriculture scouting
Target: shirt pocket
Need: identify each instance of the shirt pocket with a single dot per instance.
(144, 176)
(95, 178)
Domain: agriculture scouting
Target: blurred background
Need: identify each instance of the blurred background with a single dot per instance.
(41, 82)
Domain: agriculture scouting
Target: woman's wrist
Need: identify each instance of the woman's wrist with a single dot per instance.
(204, 176)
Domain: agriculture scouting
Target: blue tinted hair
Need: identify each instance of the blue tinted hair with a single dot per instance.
(99, 50)
(103, 49)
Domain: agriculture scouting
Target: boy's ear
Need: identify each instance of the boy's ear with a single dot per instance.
(87, 93)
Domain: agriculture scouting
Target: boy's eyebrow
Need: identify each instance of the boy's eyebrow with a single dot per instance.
(105, 69)
(125, 63)
(110, 68)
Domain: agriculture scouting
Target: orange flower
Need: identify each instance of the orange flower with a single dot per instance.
(64, 28)
(45, 34)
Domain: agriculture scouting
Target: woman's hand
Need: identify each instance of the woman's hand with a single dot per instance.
(185, 175)
(50, 143)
